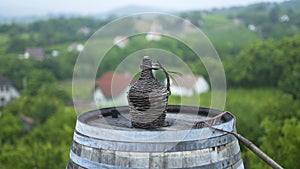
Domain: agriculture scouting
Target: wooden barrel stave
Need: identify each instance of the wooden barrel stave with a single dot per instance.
(234, 162)
(170, 159)
(152, 147)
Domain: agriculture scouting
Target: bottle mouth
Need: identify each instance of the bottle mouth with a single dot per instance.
(146, 63)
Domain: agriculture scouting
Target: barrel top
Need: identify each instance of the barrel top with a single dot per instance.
(114, 124)
(178, 118)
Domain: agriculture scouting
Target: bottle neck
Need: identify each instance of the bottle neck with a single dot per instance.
(146, 68)
(146, 74)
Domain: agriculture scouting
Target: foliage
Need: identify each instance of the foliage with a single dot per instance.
(54, 91)
(266, 18)
(39, 108)
(14, 69)
(15, 43)
(290, 77)
(10, 128)
(256, 65)
(285, 148)
(269, 118)
(58, 30)
(47, 146)
(194, 16)
(227, 37)
(269, 63)
(36, 79)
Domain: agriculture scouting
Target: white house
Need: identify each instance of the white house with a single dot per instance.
(121, 41)
(188, 85)
(54, 53)
(84, 31)
(78, 47)
(155, 32)
(252, 27)
(111, 89)
(8, 91)
(284, 18)
(238, 21)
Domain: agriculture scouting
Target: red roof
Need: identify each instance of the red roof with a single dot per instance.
(112, 84)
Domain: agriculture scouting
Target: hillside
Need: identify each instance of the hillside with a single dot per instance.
(227, 36)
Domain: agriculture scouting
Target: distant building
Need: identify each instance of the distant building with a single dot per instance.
(55, 53)
(188, 85)
(112, 88)
(284, 18)
(84, 31)
(121, 41)
(252, 27)
(155, 32)
(78, 47)
(8, 91)
(35, 52)
(238, 21)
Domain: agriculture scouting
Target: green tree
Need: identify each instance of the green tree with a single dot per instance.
(274, 14)
(256, 65)
(14, 69)
(262, 119)
(291, 82)
(194, 16)
(16, 44)
(290, 77)
(11, 128)
(54, 91)
(281, 141)
(36, 78)
(268, 64)
(40, 107)
(46, 147)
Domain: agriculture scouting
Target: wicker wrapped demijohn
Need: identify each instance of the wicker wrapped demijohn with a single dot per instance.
(147, 99)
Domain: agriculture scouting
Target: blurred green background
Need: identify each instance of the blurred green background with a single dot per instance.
(259, 46)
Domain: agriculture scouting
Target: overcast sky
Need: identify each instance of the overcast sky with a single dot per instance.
(85, 7)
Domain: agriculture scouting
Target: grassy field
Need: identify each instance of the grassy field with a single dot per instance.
(227, 37)
(3, 43)
(82, 90)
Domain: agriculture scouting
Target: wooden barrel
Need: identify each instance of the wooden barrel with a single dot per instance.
(105, 139)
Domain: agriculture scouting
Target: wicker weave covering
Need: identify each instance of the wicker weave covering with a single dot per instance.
(147, 99)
